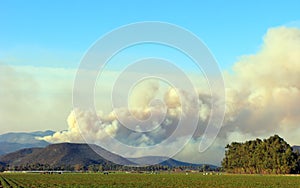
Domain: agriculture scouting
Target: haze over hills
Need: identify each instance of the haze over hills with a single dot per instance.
(2, 152)
(24, 137)
(11, 142)
(70, 154)
(165, 161)
(25, 148)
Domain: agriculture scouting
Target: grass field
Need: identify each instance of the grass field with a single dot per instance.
(146, 180)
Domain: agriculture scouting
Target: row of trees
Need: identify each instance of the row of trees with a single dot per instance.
(98, 167)
(76, 167)
(268, 156)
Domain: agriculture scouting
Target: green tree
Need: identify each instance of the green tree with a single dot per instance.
(270, 156)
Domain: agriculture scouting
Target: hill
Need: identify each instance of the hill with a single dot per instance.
(68, 155)
(64, 154)
(175, 163)
(11, 142)
(165, 161)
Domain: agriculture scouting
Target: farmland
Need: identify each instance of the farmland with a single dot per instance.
(145, 180)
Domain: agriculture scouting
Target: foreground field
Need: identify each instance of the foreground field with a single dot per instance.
(146, 180)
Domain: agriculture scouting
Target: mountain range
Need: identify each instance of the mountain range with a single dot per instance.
(166, 161)
(11, 142)
(70, 154)
(19, 149)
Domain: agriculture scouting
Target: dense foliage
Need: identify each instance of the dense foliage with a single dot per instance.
(268, 156)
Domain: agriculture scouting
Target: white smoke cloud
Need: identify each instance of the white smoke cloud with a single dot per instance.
(87, 124)
(263, 93)
(262, 98)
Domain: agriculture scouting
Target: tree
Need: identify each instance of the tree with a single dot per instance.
(270, 156)
(78, 167)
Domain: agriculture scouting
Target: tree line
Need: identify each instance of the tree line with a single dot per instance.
(268, 156)
(99, 167)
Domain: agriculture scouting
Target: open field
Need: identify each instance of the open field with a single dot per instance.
(146, 180)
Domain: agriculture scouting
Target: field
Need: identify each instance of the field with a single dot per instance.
(145, 180)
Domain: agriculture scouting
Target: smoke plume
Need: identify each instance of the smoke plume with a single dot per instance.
(262, 98)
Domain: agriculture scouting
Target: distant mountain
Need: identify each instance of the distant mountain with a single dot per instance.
(296, 148)
(70, 154)
(25, 138)
(147, 160)
(165, 161)
(172, 162)
(11, 142)
(2, 152)
(63, 154)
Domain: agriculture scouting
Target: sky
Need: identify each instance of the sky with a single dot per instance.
(255, 43)
(56, 34)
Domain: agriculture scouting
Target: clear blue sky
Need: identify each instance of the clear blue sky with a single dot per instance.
(57, 33)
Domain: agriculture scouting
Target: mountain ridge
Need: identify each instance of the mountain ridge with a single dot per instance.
(21, 148)
(70, 154)
(61, 154)
(166, 161)
(13, 141)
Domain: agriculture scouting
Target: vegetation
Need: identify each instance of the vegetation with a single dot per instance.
(268, 156)
(104, 167)
(145, 180)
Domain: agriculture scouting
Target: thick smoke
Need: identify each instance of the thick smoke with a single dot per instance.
(262, 98)
(263, 92)
(163, 120)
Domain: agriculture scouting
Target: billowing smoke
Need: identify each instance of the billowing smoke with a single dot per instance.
(143, 126)
(263, 92)
(262, 98)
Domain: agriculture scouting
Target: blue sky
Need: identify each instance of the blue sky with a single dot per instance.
(58, 33)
